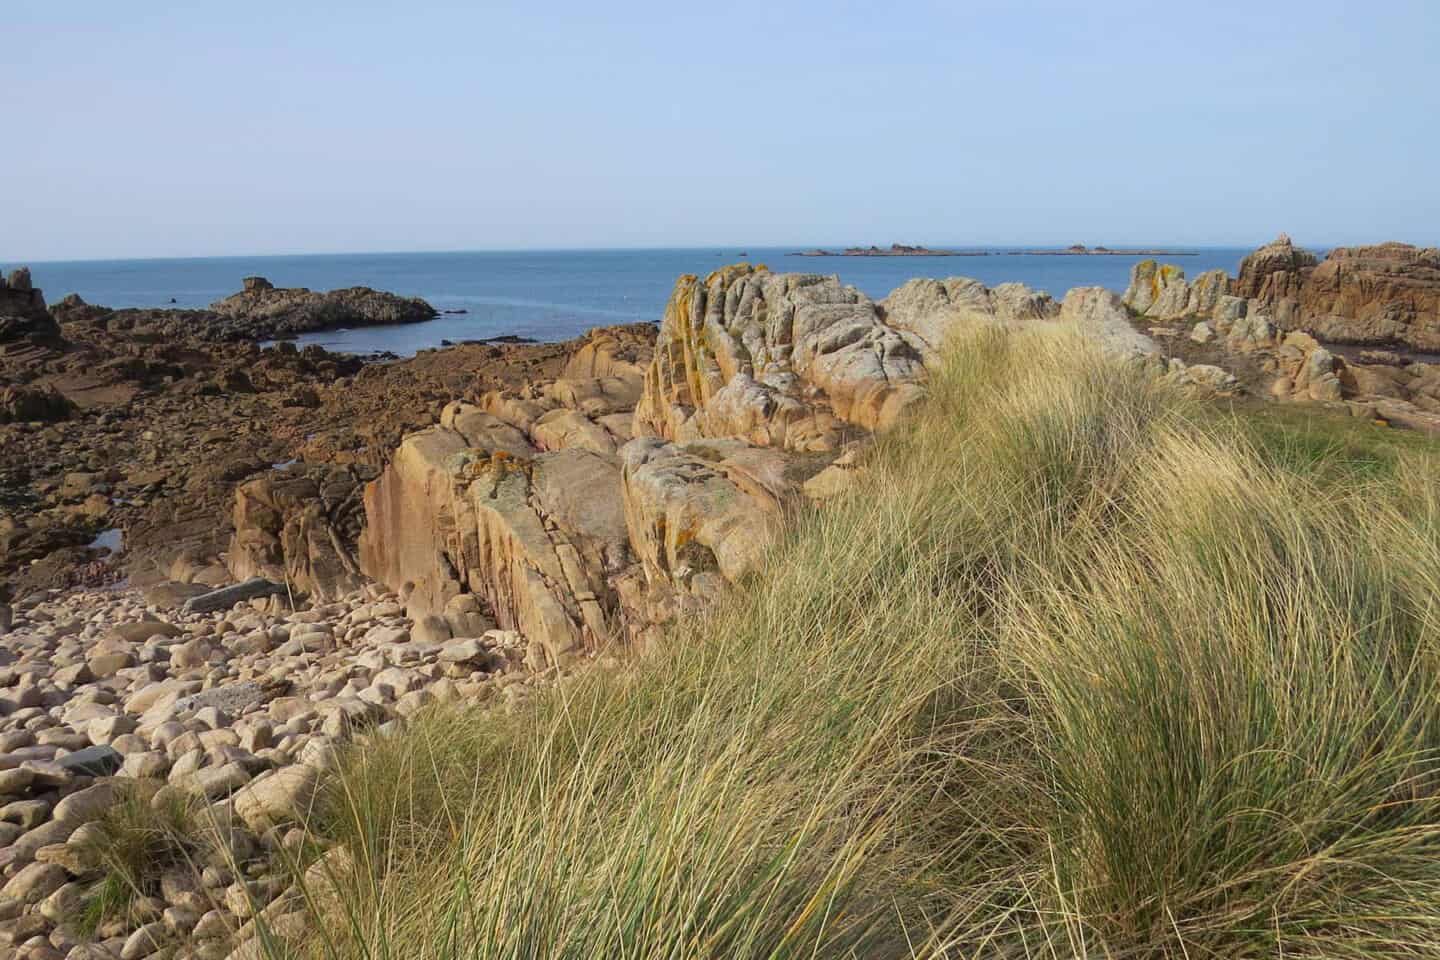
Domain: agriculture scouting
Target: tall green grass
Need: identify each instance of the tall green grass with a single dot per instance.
(1083, 668)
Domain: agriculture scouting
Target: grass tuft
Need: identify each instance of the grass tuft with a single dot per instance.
(1083, 668)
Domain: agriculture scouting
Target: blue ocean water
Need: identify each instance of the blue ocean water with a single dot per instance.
(546, 295)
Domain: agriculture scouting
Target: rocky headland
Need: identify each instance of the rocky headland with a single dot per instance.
(310, 548)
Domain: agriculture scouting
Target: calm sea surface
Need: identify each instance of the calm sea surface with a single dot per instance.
(547, 295)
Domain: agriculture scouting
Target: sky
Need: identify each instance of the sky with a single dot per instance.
(179, 128)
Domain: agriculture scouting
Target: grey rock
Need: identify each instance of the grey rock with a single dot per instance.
(227, 597)
(232, 699)
(97, 761)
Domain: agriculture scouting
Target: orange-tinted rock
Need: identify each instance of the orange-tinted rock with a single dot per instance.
(1389, 293)
(1275, 272)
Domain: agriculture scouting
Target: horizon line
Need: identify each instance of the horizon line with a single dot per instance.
(740, 247)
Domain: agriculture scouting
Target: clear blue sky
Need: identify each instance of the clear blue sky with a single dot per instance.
(161, 128)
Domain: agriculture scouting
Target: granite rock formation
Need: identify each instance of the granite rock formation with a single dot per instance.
(300, 526)
(1383, 294)
(1275, 272)
(796, 361)
(649, 479)
(931, 311)
(1157, 290)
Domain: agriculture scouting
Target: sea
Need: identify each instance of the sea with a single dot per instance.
(551, 294)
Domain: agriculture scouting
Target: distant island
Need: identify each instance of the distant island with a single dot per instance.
(903, 250)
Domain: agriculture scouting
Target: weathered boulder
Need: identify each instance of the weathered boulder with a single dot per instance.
(705, 505)
(621, 352)
(284, 795)
(44, 404)
(301, 526)
(931, 311)
(226, 597)
(785, 360)
(1102, 316)
(1308, 371)
(700, 515)
(534, 539)
(1157, 290)
(1206, 292)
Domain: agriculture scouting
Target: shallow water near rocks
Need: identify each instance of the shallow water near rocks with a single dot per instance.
(112, 540)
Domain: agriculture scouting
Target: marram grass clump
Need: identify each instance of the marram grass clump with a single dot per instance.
(1085, 668)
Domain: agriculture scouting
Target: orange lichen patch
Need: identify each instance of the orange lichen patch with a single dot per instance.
(728, 274)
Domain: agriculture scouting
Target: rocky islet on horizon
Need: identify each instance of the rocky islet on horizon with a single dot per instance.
(903, 250)
(477, 521)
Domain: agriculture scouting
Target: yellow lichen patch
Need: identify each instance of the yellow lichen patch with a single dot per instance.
(728, 274)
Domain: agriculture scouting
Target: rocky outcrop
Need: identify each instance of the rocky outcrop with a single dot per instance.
(1206, 291)
(622, 352)
(931, 311)
(1308, 370)
(1383, 294)
(1275, 272)
(533, 538)
(1376, 295)
(1101, 314)
(22, 309)
(701, 515)
(1157, 290)
(267, 311)
(301, 526)
(170, 421)
(795, 361)
(259, 311)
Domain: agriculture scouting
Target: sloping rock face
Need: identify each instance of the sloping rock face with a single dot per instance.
(787, 360)
(1102, 315)
(301, 527)
(454, 513)
(930, 311)
(1389, 293)
(269, 311)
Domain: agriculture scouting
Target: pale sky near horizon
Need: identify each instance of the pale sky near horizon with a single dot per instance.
(173, 129)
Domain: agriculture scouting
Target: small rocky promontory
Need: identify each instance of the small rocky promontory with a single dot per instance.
(270, 311)
(260, 311)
